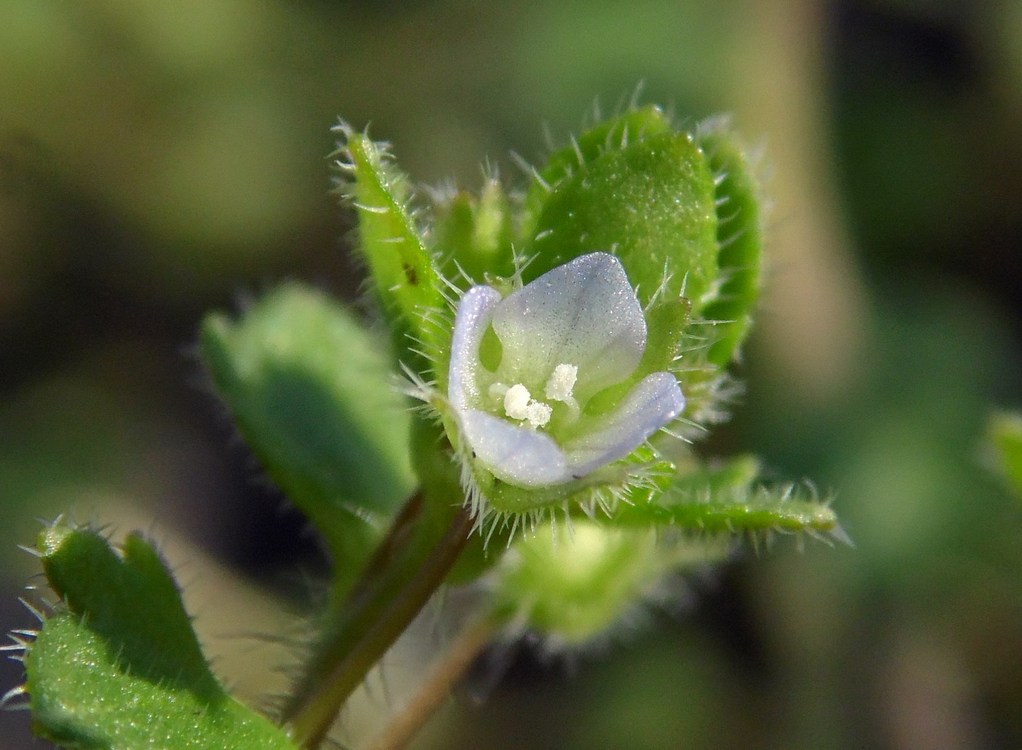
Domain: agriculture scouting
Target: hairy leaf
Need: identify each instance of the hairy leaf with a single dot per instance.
(400, 265)
(118, 667)
(312, 394)
(739, 236)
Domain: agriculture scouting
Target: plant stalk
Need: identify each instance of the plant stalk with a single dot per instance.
(409, 565)
(437, 686)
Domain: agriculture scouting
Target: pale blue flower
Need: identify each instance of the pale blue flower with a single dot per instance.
(563, 338)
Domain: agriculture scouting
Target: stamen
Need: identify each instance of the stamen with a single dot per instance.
(516, 402)
(538, 413)
(519, 404)
(561, 383)
(560, 386)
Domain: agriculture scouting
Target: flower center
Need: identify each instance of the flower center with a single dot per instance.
(519, 404)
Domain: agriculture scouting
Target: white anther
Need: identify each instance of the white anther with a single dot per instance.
(519, 404)
(538, 413)
(516, 402)
(561, 383)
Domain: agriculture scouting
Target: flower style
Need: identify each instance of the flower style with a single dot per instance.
(525, 368)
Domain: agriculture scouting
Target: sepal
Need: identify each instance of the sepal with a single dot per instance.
(401, 265)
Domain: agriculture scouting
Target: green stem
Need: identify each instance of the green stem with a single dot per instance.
(409, 565)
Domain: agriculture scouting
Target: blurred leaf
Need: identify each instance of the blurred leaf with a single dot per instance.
(311, 393)
(1004, 433)
(574, 582)
(121, 666)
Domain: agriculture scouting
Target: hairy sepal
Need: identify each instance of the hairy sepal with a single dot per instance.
(728, 498)
(739, 202)
(650, 203)
(402, 269)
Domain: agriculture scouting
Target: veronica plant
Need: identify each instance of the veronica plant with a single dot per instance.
(528, 429)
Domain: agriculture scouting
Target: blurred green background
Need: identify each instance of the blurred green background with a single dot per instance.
(159, 159)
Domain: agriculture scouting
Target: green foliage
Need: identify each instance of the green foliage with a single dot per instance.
(310, 390)
(314, 393)
(404, 277)
(474, 234)
(156, 158)
(756, 511)
(604, 136)
(117, 666)
(728, 498)
(1004, 434)
(576, 583)
(739, 237)
(650, 202)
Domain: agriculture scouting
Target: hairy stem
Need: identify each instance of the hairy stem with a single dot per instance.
(409, 565)
(437, 686)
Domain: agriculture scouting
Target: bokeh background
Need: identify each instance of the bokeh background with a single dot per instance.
(160, 159)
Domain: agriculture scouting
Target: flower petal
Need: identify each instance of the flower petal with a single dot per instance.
(652, 403)
(518, 455)
(583, 313)
(470, 323)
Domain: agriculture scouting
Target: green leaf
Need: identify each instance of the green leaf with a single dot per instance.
(119, 667)
(739, 236)
(651, 203)
(762, 510)
(1004, 433)
(400, 265)
(615, 133)
(725, 499)
(312, 393)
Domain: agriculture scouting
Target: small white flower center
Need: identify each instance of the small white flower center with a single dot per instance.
(519, 404)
